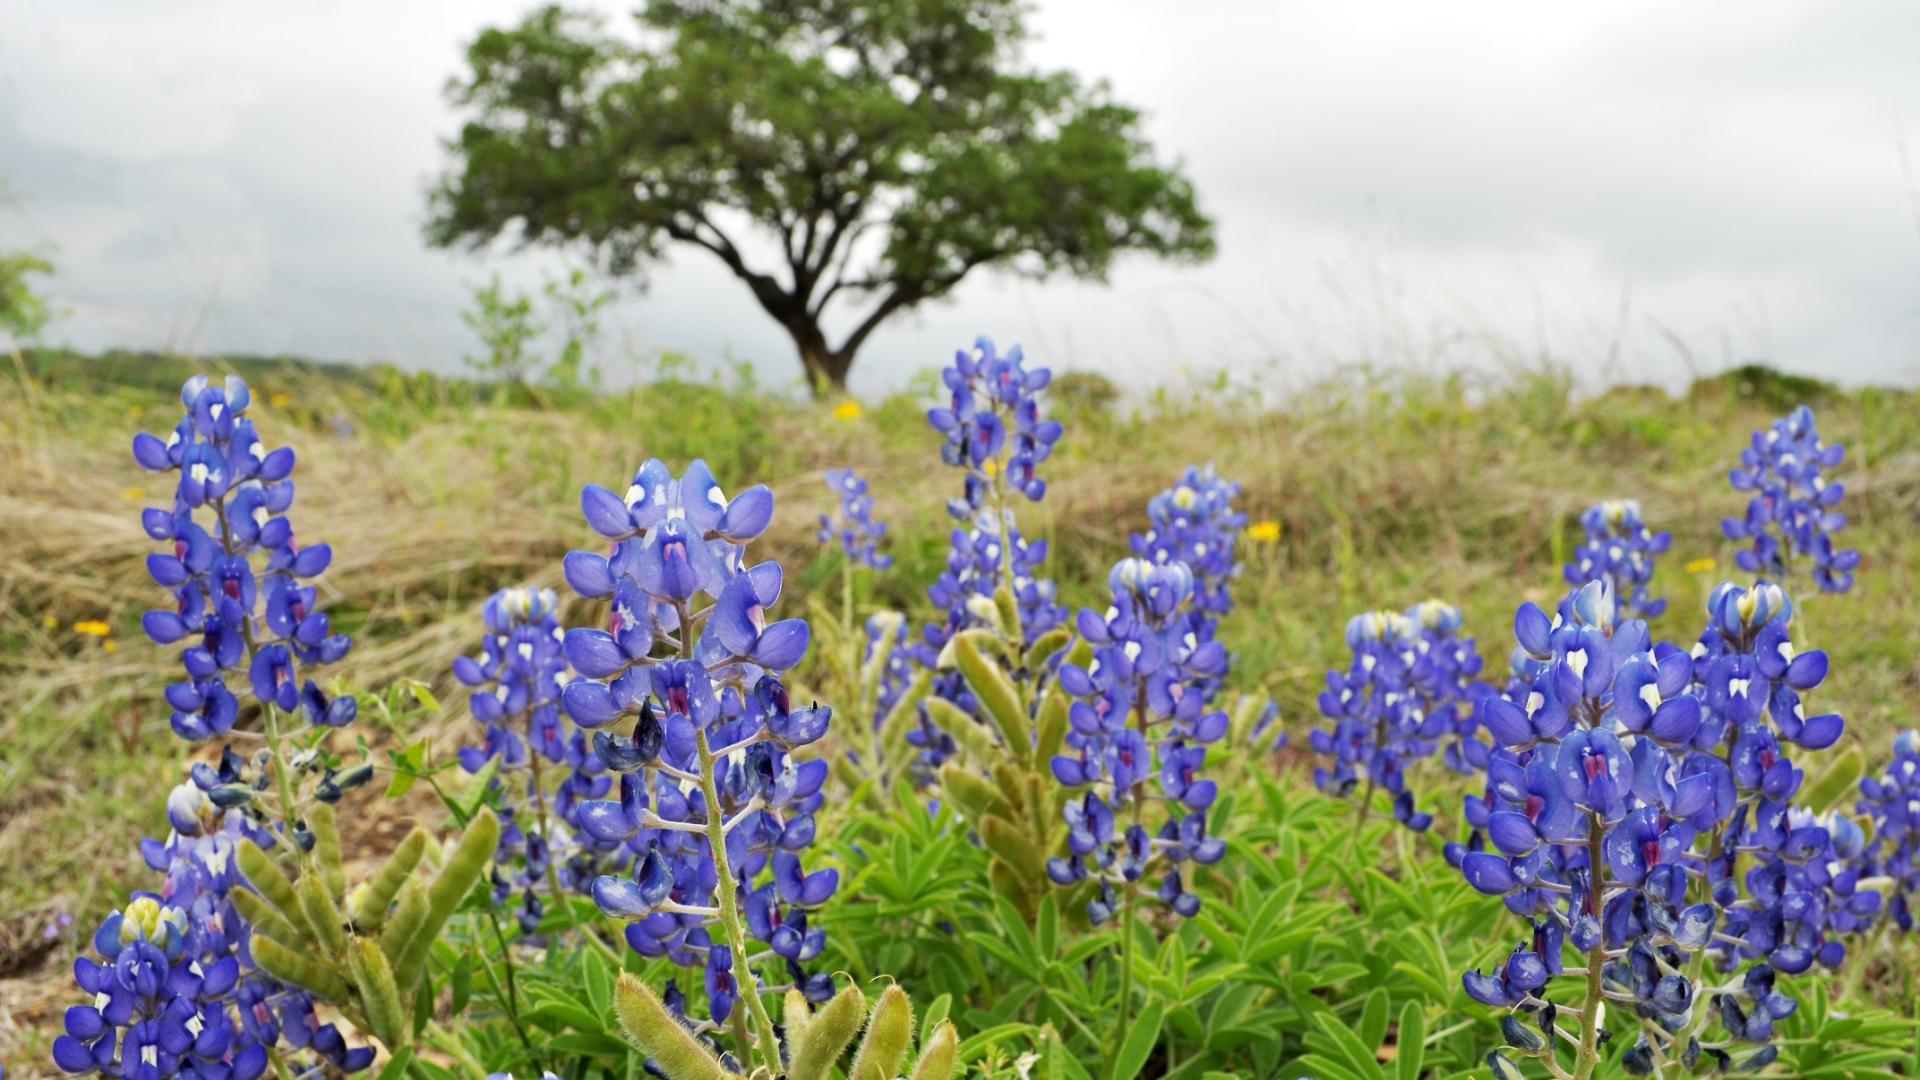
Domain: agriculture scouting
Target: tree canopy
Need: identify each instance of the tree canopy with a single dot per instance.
(846, 159)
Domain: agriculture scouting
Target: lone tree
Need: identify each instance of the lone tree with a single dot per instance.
(847, 159)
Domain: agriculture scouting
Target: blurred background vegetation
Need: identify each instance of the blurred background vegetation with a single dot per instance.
(1381, 489)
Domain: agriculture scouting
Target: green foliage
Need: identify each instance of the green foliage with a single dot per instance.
(304, 935)
(23, 311)
(888, 148)
(1000, 779)
(815, 1041)
(1320, 950)
(1770, 388)
(513, 330)
(506, 326)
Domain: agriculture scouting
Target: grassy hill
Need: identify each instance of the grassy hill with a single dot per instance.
(1387, 489)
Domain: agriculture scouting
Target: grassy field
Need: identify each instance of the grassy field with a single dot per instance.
(433, 493)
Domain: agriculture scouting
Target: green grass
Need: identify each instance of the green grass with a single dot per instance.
(434, 492)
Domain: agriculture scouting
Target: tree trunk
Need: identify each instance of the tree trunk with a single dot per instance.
(825, 366)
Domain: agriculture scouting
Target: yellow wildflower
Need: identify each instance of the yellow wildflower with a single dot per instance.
(991, 467)
(50, 621)
(92, 628)
(1264, 532)
(847, 410)
(109, 645)
(133, 494)
(281, 399)
(1701, 566)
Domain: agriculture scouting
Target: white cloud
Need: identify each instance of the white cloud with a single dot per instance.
(1392, 181)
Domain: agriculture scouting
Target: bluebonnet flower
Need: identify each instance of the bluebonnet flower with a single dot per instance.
(517, 682)
(1445, 676)
(1194, 522)
(858, 534)
(995, 432)
(174, 991)
(235, 570)
(1136, 720)
(1629, 781)
(1621, 549)
(890, 630)
(1891, 802)
(1794, 510)
(1407, 691)
(692, 662)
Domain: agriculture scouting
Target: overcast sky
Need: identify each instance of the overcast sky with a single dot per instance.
(1642, 188)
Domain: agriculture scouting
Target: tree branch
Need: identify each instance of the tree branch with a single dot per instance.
(774, 300)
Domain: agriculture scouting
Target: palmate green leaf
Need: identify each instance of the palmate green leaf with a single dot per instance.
(1425, 978)
(566, 1013)
(1327, 975)
(1010, 1006)
(598, 976)
(1340, 1041)
(1231, 1005)
(1321, 1067)
(1060, 1063)
(588, 1044)
(972, 1049)
(935, 1013)
(1003, 952)
(467, 803)
(1410, 1042)
(1372, 1029)
(396, 1066)
(423, 695)
(1239, 1035)
(1141, 1038)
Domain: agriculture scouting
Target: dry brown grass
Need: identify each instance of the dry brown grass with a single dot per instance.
(1387, 491)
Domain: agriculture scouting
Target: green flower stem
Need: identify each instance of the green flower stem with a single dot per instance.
(546, 831)
(768, 1041)
(272, 715)
(1002, 522)
(1128, 893)
(1589, 1055)
(876, 765)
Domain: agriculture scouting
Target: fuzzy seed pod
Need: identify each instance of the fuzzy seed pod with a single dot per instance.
(266, 919)
(298, 969)
(889, 1035)
(268, 879)
(1045, 646)
(469, 860)
(1051, 725)
(464, 865)
(975, 738)
(660, 1034)
(938, 1055)
(322, 915)
(998, 699)
(1004, 839)
(828, 1034)
(796, 1014)
(975, 797)
(326, 849)
(409, 918)
(1008, 608)
(379, 995)
(376, 895)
